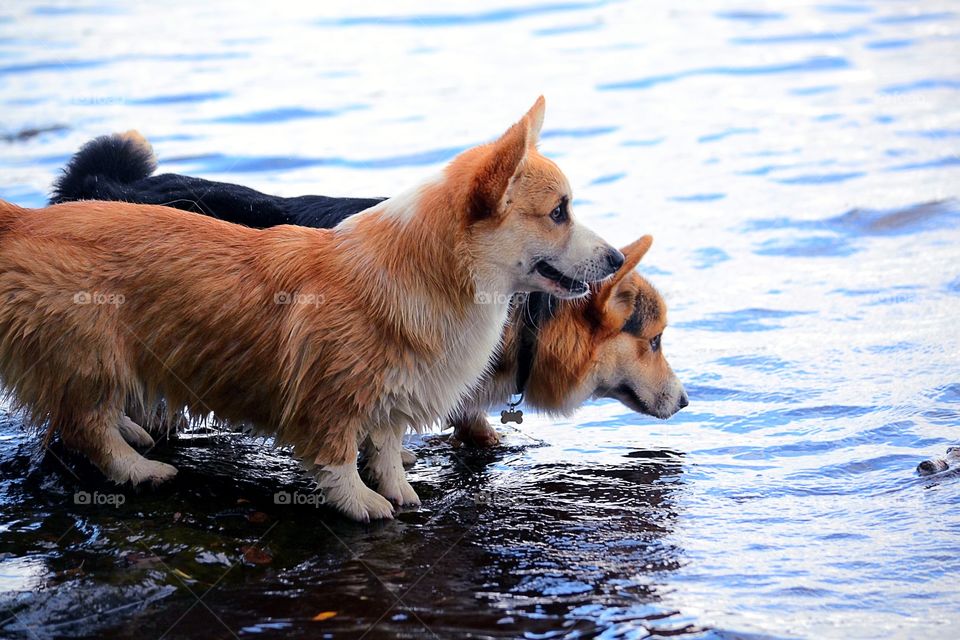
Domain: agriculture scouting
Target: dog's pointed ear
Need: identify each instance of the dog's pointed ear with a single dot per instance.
(534, 119)
(611, 296)
(503, 161)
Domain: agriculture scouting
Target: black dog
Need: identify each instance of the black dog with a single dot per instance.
(118, 167)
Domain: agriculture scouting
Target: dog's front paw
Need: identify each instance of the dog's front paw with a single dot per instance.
(369, 505)
(399, 492)
(144, 471)
(343, 489)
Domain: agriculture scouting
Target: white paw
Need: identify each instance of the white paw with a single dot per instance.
(134, 434)
(150, 471)
(407, 457)
(363, 505)
(343, 489)
(399, 492)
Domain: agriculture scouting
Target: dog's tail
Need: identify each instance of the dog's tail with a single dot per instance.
(103, 166)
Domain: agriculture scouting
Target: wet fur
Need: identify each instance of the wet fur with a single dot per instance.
(383, 332)
(580, 344)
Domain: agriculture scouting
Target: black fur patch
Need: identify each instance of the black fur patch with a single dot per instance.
(115, 168)
(107, 159)
(646, 309)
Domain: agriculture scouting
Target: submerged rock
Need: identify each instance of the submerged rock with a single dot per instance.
(940, 464)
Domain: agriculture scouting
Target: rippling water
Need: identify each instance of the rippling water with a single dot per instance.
(798, 165)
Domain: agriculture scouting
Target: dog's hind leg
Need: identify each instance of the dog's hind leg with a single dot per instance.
(100, 436)
(385, 467)
(408, 457)
(133, 433)
(473, 429)
(155, 420)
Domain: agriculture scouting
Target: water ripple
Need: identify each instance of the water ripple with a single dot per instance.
(434, 20)
(822, 178)
(180, 98)
(744, 320)
(57, 66)
(733, 131)
(283, 114)
(818, 63)
(922, 85)
(791, 38)
(915, 17)
(750, 16)
(923, 216)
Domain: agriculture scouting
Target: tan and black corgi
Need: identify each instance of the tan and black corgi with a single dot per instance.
(322, 337)
(559, 354)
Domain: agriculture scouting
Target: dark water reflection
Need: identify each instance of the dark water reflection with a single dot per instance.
(539, 549)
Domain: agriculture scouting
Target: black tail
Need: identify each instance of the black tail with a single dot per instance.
(119, 168)
(103, 166)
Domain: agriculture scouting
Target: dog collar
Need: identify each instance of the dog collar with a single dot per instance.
(535, 310)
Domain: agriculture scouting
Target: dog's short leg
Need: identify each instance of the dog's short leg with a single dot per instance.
(100, 439)
(343, 489)
(133, 433)
(473, 429)
(385, 467)
(408, 457)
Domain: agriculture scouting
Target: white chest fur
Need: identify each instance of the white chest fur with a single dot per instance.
(424, 393)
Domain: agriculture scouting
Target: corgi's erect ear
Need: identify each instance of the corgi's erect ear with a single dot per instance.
(503, 160)
(632, 255)
(612, 298)
(534, 119)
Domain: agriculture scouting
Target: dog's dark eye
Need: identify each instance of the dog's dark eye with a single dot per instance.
(655, 342)
(560, 214)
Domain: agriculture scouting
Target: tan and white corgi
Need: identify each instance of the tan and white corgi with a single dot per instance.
(320, 337)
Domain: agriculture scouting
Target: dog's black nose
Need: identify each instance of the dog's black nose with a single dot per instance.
(615, 259)
(684, 401)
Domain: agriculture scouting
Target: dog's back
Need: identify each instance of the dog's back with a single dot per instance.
(118, 167)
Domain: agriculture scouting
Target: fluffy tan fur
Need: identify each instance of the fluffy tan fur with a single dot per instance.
(321, 337)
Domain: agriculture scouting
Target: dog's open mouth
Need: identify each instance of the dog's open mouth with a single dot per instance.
(576, 287)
